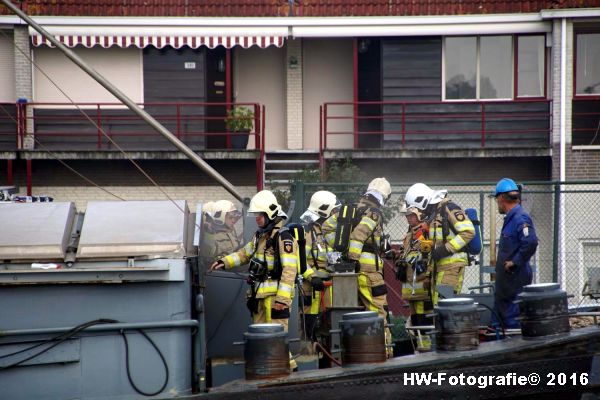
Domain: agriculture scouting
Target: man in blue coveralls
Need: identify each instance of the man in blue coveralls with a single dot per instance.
(518, 243)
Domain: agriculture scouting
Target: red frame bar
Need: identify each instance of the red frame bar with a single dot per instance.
(9, 173)
(355, 88)
(321, 155)
(29, 173)
(228, 89)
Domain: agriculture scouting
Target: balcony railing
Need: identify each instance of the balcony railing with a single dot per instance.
(202, 126)
(436, 125)
(59, 127)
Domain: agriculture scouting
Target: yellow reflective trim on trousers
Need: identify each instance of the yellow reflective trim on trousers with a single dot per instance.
(453, 259)
(285, 290)
(267, 287)
(268, 305)
(316, 303)
(419, 307)
(365, 291)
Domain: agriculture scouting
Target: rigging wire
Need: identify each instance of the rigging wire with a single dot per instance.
(100, 129)
(55, 157)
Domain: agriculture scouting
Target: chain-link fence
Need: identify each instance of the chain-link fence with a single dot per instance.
(566, 218)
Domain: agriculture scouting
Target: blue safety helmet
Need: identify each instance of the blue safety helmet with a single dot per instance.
(506, 185)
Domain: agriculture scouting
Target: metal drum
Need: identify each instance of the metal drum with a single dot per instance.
(544, 310)
(266, 351)
(457, 324)
(363, 338)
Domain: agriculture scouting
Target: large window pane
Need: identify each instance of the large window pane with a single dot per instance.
(588, 63)
(495, 62)
(531, 66)
(461, 67)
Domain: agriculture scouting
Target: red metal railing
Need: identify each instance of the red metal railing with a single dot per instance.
(202, 126)
(190, 122)
(426, 124)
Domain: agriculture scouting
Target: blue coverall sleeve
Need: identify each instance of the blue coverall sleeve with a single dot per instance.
(528, 242)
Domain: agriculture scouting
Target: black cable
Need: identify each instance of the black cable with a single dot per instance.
(58, 339)
(79, 328)
(133, 385)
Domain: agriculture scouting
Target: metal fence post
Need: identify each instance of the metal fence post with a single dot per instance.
(298, 198)
(555, 228)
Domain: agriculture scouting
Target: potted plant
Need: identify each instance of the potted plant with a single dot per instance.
(239, 121)
(403, 344)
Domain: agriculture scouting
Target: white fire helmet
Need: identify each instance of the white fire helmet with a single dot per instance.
(222, 208)
(381, 186)
(322, 203)
(420, 195)
(265, 202)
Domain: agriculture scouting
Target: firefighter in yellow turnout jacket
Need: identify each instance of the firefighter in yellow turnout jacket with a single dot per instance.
(364, 247)
(450, 229)
(273, 261)
(322, 204)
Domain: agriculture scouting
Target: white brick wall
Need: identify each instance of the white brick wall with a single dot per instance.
(555, 91)
(22, 64)
(293, 82)
(193, 194)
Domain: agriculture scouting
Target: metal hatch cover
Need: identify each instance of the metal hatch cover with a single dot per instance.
(153, 229)
(35, 231)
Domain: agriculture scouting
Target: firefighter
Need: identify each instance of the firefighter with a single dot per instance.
(207, 234)
(272, 275)
(450, 230)
(322, 205)
(224, 236)
(411, 265)
(518, 244)
(364, 246)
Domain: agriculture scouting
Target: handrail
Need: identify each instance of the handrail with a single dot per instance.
(488, 121)
(188, 119)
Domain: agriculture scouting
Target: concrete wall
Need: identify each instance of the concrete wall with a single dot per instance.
(328, 76)
(123, 67)
(259, 77)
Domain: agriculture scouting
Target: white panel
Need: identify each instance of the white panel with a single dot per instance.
(120, 66)
(134, 228)
(328, 76)
(7, 69)
(255, 71)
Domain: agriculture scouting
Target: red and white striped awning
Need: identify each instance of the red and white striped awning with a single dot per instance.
(160, 36)
(161, 41)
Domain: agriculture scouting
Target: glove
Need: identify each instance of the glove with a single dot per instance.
(356, 266)
(401, 271)
(317, 284)
(440, 252)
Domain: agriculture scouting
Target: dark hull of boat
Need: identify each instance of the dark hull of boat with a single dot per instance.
(567, 365)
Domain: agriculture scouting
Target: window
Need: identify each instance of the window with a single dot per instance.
(478, 67)
(531, 65)
(461, 67)
(587, 62)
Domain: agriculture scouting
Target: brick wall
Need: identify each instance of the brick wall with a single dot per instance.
(22, 64)
(180, 179)
(293, 81)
